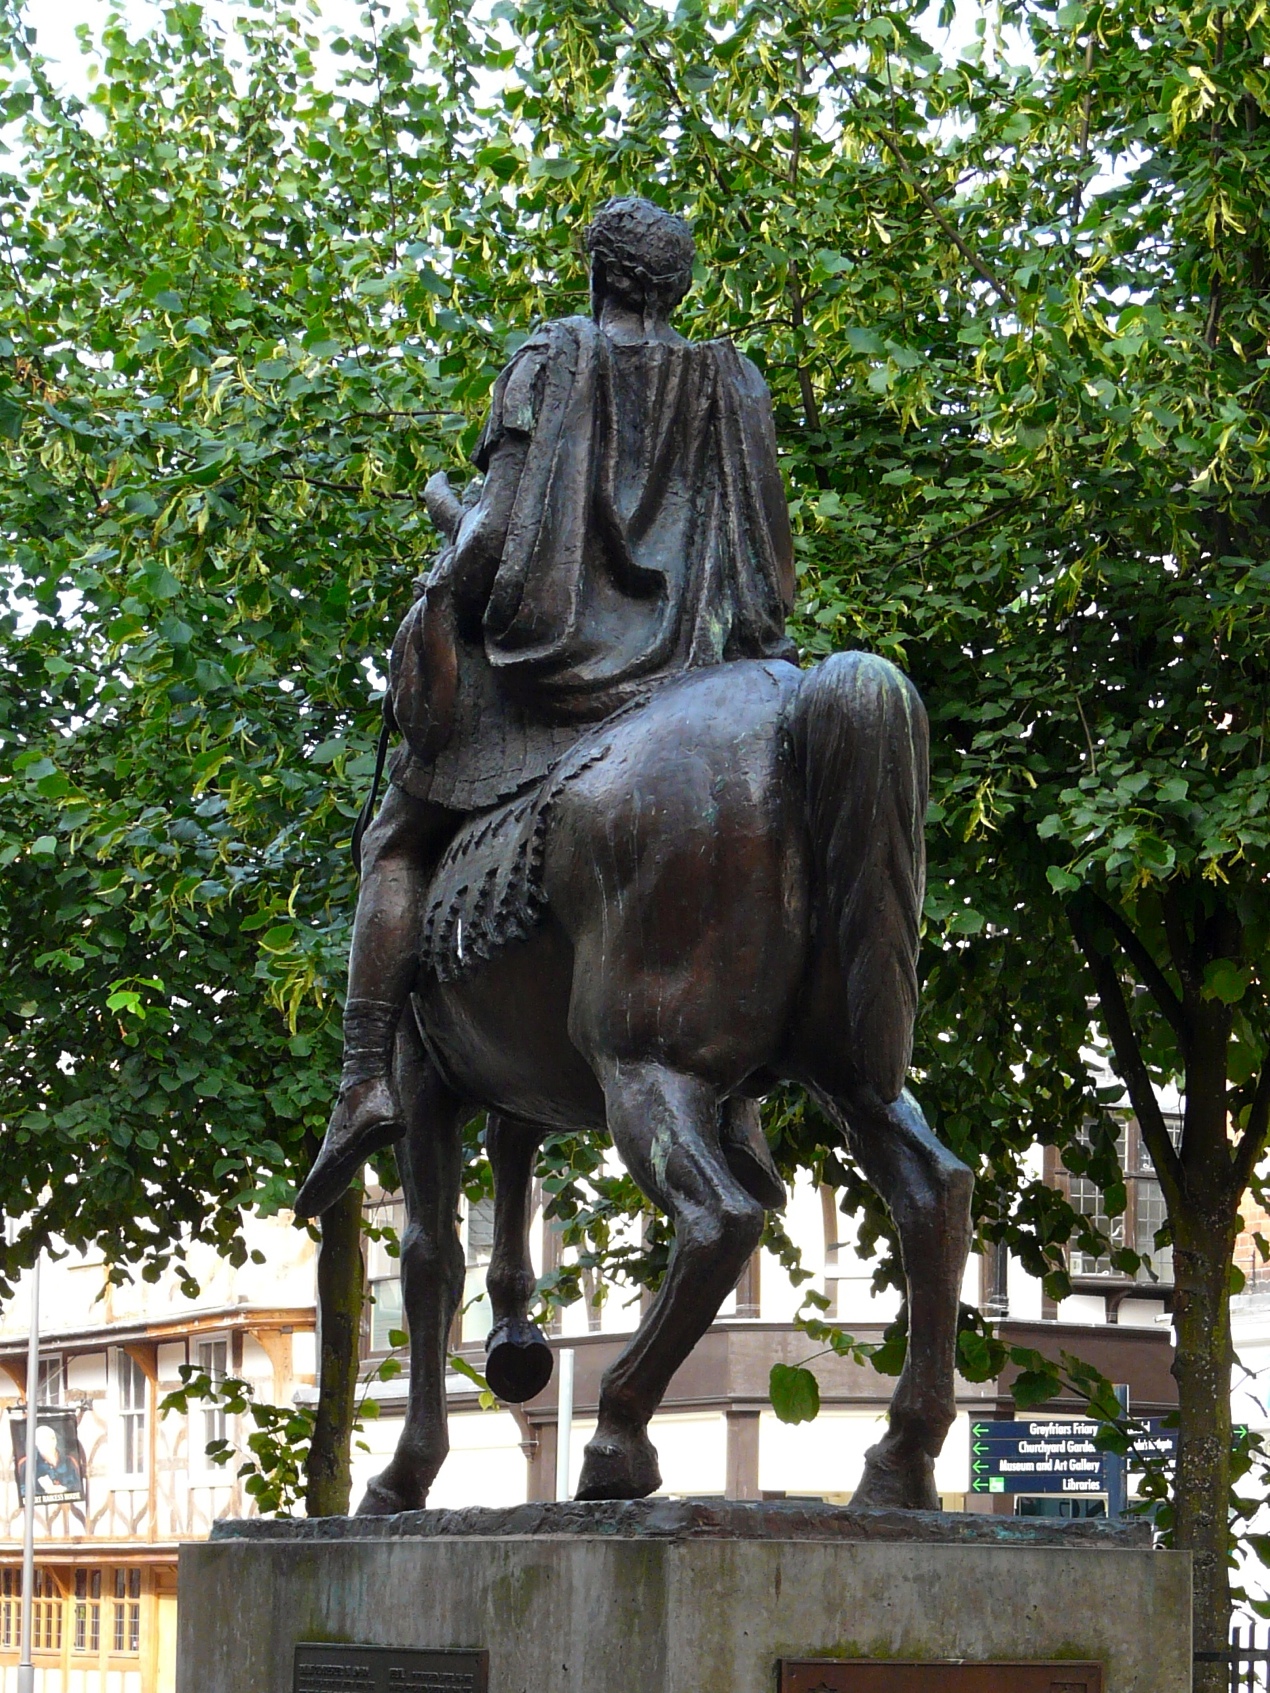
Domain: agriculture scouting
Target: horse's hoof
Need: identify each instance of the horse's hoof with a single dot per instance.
(382, 1499)
(518, 1361)
(897, 1482)
(623, 1468)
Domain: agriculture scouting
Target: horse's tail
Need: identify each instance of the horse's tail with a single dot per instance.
(861, 745)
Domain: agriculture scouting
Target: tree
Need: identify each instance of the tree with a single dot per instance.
(1011, 304)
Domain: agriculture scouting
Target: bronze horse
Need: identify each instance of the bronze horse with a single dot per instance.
(728, 887)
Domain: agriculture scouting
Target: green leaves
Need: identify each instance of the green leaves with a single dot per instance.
(794, 1393)
(246, 315)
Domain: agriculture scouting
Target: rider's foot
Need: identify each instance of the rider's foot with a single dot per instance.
(366, 1118)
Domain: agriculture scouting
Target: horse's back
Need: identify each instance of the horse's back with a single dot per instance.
(678, 867)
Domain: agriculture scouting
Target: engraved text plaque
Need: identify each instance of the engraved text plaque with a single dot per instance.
(388, 1669)
(821, 1676)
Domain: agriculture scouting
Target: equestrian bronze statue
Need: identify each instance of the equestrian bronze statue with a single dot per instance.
(635, 868)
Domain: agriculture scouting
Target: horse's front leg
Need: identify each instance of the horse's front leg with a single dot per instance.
(928, 1192)
(430, 1158)
(517, 1358)
(665, 1127)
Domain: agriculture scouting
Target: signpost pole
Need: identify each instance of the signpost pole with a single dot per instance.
(564, 1420)
(1118, 1468)
(26, 1670)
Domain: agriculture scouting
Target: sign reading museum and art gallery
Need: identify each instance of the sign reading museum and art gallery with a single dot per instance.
(388, 1669)
(59, 1459)
(1051, 1455)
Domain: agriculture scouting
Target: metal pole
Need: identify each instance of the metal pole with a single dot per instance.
(26, 1671)
(1118, 1468)
(564, 1425)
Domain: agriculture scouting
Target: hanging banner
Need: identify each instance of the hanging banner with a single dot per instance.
(59, 1459)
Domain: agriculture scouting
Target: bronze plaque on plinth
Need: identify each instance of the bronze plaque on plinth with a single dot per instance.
(388, 1669)
(815, 1675)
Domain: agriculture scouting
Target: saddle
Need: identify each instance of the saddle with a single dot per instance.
(487, 890)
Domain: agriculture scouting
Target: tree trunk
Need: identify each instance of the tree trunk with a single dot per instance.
(1203, 1250)
(340, 1273)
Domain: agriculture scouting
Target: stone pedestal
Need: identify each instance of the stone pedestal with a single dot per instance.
(683, 1596)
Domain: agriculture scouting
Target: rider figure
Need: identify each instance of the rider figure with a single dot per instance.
(631, 525)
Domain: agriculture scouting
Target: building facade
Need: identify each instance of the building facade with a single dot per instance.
(104, 1601)
(105, 1597)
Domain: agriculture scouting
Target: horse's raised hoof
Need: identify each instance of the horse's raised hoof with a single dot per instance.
(518, 1361)
(897, 1481)
(619, 1467)
(383, 1499)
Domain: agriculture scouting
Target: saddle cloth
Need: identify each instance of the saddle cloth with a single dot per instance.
(487, 890)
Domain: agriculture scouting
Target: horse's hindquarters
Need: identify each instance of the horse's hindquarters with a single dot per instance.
(678, 865)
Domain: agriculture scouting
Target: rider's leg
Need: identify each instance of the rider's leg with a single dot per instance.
(399, 853)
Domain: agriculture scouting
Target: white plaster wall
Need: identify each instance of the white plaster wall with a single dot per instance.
(824, 1456)
(1082, 1308)
(1023, 1291)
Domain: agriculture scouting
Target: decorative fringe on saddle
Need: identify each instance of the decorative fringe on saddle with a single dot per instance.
(487, 891)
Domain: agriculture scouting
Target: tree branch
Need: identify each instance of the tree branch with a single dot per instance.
(811, 410)
(1153, 978)
(999, 510)
(676, 101)
(1129, 1059)
(891, 143)
(1252, 1143)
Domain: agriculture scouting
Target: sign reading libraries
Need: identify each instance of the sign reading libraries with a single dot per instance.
(1050, 1455)
(388, 1669)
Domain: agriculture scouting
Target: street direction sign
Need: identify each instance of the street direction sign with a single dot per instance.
(1053, 1455)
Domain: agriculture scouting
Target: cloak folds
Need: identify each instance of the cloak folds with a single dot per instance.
(649, 532)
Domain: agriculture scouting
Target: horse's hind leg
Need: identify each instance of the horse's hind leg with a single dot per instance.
(430, 1158)
(517, 1357)
(665, 1127)
(928, 1192)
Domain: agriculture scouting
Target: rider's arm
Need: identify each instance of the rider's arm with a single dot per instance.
(478, 549)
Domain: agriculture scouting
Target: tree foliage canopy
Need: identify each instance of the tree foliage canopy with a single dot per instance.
(1011, 302)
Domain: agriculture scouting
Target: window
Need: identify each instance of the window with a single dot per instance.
(383, 1266)
(478, 1241)
(132, 1387)
(1087, 1199)
(10, 1610)
(87, 1611)
(1144, 1211)
(52, 1390)
(127, 1612)
(213, 1362)
(46, 1613)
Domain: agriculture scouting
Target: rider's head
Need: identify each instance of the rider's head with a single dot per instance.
(641, 257)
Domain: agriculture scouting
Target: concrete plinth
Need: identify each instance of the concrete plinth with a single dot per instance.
(682, 1597)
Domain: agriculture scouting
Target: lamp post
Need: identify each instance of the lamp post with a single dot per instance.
(564, 1424)
(26, 1669)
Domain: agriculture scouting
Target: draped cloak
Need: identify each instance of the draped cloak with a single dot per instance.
(649, 535)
